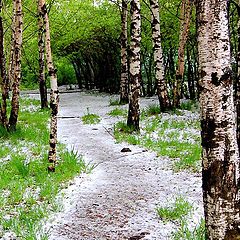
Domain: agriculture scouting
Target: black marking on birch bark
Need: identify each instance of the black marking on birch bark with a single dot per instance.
(214, 79)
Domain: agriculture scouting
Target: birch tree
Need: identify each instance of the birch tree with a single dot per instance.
(3, 77)
(134, 71)
(158, 57)
(220, 153)
(124, 61)
(18, 26)
(41, 59)
(54, 94)
(185, 17)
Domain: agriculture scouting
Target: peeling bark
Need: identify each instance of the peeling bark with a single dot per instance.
(41, 59)
(54, 94)
(185, 17)
(17, 67)
(158, 57)
(220, 160)
(124, 61)
(135, 73)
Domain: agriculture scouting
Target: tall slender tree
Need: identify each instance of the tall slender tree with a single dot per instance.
(41, 59)
(124, 60)
(158, 57)
(220, 171)
(54, 95)
(18, 28)
(185, 17)
(3, 76)
(134, 71)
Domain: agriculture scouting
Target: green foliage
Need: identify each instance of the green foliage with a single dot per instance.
(118, 112)
(184, 233)
(177, 211)
(91, 118)
(189, 105)
(27, 190)
(151, 110)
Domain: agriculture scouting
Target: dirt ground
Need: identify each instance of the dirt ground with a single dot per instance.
(118, 199)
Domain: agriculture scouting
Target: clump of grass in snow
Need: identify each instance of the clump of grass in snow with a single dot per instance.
(114, 102)
(185, 233)
(27, 190)
(151, 110)
(118, 112)
(90, 118)
(123, 132)
(178, 210)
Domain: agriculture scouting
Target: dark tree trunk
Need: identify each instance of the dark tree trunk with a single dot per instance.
(3, 81)
(17, 67)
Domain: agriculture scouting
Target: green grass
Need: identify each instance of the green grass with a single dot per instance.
(152, 110)
(27, 190)
(171, 139)
(118, 112)
(184, 233)
(179, 209)
(90, 118)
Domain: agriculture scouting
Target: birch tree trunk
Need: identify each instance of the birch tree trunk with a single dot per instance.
(11, 56)
(238, 81)
(185, 17)
(41, 59)
(4, 83)
(158, 57)
(54, 95)
(134, 52)
(124, 61)
(220, 171)
(17, 67)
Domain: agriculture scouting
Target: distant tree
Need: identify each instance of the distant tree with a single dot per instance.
(220, 158)
(41, 59)
(3, 76)
(134, 71)
(18, 29)
(185, 17)
(124, 60)
(54, 95)
(158, 57)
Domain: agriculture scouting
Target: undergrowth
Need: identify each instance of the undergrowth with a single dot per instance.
(180, 211)
(90, 118)
(176, 138)
(27, 190)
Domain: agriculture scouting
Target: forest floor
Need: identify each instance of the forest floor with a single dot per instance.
(118, 200)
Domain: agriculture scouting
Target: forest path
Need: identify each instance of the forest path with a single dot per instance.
(118, 199)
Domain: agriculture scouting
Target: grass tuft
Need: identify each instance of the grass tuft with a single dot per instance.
(178, 210)
(118, 112)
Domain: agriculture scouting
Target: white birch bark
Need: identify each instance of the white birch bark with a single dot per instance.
(158, 57)
(220, 152)
(124, 61)
(135, 68)
(54, 95)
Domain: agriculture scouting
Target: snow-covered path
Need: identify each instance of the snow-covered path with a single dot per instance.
(118, 199)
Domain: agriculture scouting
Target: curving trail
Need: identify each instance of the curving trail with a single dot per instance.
(118, 199)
